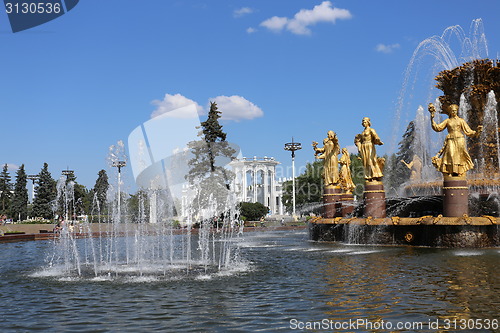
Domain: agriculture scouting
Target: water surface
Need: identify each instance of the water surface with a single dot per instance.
(283, 282)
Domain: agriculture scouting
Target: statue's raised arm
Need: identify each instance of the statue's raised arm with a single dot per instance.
(328, 153)
(453, 159)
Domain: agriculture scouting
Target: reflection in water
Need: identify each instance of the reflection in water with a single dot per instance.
(412, 284)
(285, 278)
(471, 281)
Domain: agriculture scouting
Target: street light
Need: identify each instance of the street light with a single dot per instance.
(68, 173)
(293, 146)
(33, 179)
(119, 165)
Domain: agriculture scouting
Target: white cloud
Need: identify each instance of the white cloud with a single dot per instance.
(324, 12)
(11, 167)
(232, 107)
(237, 108)
(251, 30)
(173, 106)
(300, 23)
(275, 23)
(352, 149)
(386, 48)
(242, 11)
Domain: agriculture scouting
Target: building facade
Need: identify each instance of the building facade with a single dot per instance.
(255, 181)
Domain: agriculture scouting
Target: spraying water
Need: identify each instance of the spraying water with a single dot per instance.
(140, 237)
(431, 56)
(445, 55)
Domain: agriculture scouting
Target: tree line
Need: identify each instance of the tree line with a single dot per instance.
(76, 199)
(309, 187)
(212, 179)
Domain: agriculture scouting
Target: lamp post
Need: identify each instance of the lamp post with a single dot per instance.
(33, 179)
(119, 165)
(293, 146)
(68, 173)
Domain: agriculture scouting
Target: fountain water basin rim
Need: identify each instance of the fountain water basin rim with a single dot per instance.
(428, 231)
(424, 220)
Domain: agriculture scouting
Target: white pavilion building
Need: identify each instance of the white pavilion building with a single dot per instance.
(255, 181)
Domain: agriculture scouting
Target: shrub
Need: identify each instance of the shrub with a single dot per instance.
(253, 211)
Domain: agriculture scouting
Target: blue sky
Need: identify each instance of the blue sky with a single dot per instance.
(74, 86)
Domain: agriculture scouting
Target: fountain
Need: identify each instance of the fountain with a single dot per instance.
(463, 210)
(147, 243)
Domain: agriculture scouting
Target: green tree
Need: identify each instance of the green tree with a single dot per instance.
(207, 168)
(308, 190)
(81, 199)
(253, 211)
(396, 172)
(5, 191)
(405, 152)
(391, 171)
(358, 175)
(80, 195)
(101, 187)
(45, 194)
(73, 198)
(138, 206)
(309, 187)
(97, 197)
(20, 198)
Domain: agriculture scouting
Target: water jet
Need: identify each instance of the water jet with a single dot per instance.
(460, 209)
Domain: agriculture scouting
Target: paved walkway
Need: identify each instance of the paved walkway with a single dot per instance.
(44, 231)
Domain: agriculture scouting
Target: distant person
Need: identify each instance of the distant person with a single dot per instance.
(61, 224)
(57, 228)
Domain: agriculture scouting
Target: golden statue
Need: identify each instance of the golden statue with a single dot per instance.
(366, 142)
(329, 154)
(345, 172)
(416, 168)
(453, 159)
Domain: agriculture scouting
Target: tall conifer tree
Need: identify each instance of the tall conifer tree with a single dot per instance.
(99, 192)
(211, 154)
(45, 194)
(5, 191)
(20, 198)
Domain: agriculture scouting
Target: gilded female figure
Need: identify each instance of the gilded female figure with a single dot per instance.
(345, 172)
(329, 154)
(415, 167)
(366, 142)
(453, 159)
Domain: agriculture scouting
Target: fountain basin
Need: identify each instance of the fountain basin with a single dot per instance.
(453, 232)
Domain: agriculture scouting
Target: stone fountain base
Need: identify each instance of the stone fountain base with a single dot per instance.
(430, 231)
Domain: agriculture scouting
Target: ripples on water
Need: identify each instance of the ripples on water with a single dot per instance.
(283, 276)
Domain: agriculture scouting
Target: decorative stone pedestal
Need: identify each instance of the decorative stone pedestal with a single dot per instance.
(331, 199)
(347, 204)
(374, 199)
(455, 196)
(455, 232)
